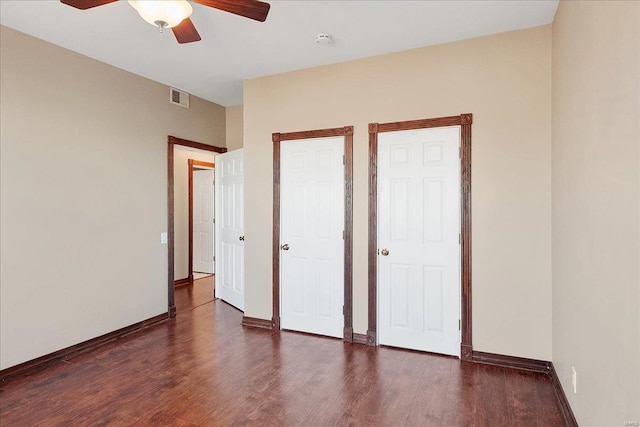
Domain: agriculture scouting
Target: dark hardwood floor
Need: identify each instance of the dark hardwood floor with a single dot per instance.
(204, 369)
(190, 297)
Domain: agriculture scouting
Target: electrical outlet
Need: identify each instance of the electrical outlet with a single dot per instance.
(163, 238)
(574, 380)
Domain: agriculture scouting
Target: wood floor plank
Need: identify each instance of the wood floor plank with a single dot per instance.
(521, 389)
(492, 402)
(204, 369)
(428, 404)
(462, 396)
(547, 403)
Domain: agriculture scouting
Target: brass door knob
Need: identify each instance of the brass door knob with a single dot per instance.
(284, 247)
(384, 252)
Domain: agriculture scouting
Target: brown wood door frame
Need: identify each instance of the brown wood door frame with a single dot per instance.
(193, 164)
(172, 141)
(277, 138)
(464, 121)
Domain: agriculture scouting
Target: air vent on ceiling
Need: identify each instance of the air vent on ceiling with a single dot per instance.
(179, 97)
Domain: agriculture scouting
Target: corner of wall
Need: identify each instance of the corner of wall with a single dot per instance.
(596, 208)
(234, 123)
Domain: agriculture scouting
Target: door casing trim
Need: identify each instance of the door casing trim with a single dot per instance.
(171, 142)
(277, 138)
(464, 121)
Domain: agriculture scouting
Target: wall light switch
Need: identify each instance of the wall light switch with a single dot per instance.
(163, 238)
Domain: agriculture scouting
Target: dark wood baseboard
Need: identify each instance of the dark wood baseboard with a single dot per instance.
(253, 322)
(372, 340)
(511, 362)
(34, 365)
(466, 353)
(347, 334)
(181, 282)
(204, 277)
(563, 403)
(360, 339)
(536, 366)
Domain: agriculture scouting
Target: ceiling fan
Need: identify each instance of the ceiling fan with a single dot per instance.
(175, 14)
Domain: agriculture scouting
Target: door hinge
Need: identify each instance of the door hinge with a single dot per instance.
(459, 238)
(459, 324)
(460, 152)
(214, 257)
(214, 220)
(343, 309)
(342, 234)
(343, 159)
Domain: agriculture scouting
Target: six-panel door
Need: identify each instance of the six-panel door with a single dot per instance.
(229, 174)
(312, 225)
(418, 239)
(203, 236)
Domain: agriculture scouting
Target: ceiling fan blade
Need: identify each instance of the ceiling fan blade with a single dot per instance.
(252, 9)
(186, 32)
(86, 4)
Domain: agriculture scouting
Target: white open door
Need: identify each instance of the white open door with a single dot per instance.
(418, 239)
(229, 207)
(311, 236)
(203, 236)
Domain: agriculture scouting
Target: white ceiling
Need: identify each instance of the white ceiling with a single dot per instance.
(234, 49)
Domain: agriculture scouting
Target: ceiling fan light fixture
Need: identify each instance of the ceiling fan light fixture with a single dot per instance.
(163, 13)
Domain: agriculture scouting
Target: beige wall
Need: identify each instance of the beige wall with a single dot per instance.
(596, 197)
(181, 205)
(505, 81)
(234, 127)
(83, 160)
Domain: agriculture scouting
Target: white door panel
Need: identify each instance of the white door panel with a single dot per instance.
(312, 222)
(419, 224)
(229, 178)
(203, 236)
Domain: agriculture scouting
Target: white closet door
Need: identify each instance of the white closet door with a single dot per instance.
(203, 243)
(312, 221)
(418, 239)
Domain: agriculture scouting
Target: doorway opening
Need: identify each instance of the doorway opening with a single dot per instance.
(201, 260)
(171, 243)
(464, 121)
